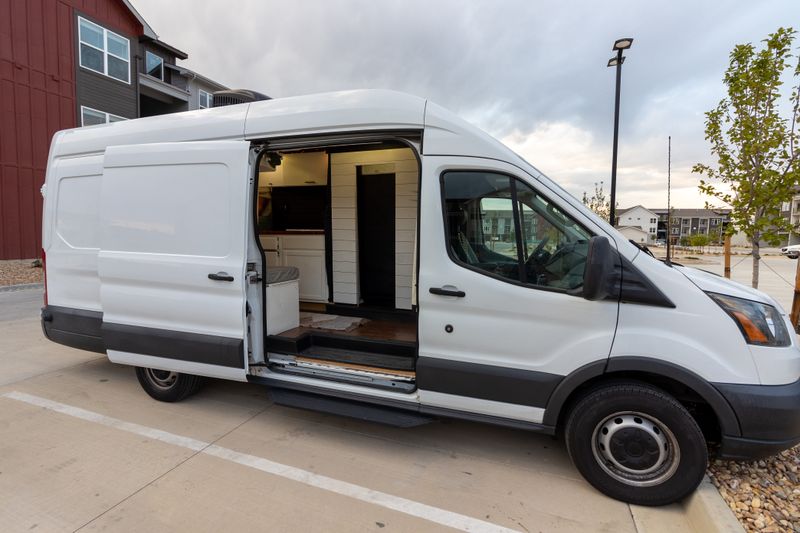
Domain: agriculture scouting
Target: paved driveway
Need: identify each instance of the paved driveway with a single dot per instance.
(82, 447)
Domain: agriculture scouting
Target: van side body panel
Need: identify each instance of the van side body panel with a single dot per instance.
(695, 335)
(71, 232)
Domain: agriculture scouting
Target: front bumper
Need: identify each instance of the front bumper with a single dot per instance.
(769, 418)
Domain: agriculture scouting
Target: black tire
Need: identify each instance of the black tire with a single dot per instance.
(166, 386)
(636, 443)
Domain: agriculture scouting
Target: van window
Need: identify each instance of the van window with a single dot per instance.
(498, 225)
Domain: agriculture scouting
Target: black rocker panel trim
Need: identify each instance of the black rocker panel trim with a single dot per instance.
(487, 382)
(76, 328)
(192, 347)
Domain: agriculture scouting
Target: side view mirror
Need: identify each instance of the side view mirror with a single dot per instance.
(599, 269)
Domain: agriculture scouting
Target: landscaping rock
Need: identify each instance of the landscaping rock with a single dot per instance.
(764, 495)
(16, 272)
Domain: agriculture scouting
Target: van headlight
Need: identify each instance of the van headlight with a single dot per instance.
(760, 323)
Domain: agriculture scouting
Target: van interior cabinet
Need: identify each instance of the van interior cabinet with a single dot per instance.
(307, 253)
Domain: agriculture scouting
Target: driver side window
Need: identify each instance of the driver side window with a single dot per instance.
(500, 226)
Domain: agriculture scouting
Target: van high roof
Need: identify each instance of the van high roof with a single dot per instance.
(316, 114)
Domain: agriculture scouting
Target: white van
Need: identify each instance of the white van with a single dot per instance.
(370, 254)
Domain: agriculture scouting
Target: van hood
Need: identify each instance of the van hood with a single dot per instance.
(710, 282)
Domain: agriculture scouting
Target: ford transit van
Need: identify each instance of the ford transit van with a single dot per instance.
(368, 253)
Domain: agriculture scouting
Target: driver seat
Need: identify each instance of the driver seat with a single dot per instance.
(458, 239)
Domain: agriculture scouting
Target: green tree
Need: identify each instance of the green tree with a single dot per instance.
(755, 146)
(598, 201)
(699, 240)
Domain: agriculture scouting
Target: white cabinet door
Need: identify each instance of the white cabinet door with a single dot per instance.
(313, 278)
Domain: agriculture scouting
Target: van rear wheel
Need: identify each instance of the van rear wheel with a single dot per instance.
(637, 444)
(167, 386)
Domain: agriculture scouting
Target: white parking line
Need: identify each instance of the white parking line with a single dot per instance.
(395, 503)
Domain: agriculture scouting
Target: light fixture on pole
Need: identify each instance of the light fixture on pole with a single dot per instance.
(616, 61)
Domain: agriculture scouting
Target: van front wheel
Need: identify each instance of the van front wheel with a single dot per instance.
(637, 444)
(167, 386)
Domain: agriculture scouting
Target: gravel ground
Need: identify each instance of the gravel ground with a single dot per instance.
(19, 271)
(764, 495)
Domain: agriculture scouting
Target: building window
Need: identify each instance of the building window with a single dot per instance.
(103, 51)
(92, 117)
(653, 220)
(205, 99)
(154, 65)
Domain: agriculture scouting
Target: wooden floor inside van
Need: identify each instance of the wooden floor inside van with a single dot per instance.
(384, 330)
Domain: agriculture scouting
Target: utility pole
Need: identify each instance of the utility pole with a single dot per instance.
(728, 257)
(795, 316)
(669, 205)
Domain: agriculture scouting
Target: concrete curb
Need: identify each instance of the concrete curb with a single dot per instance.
(708, 512)
(21, 287)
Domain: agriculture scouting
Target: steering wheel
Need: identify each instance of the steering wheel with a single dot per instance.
(537, 252)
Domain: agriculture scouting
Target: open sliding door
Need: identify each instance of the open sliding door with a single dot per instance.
(172, 256)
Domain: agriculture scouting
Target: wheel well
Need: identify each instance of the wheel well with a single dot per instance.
(697, 406)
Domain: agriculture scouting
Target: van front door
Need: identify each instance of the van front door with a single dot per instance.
(502, 319)
(172, 254)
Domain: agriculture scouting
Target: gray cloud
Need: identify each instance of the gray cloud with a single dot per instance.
(514, 68)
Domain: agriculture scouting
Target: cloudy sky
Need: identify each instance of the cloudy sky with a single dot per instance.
(531, 73)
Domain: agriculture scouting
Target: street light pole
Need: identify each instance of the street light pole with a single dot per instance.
(619, 46)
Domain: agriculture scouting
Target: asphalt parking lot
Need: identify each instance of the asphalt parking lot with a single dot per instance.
(82, 447)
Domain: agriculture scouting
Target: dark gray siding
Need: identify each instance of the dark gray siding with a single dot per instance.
(103, 92)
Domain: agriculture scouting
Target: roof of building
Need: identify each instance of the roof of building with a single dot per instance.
(635, 228)
(180, 54)
(150, 34)
(623, 211)
(148, 30)
(183, 71)
(693, 212)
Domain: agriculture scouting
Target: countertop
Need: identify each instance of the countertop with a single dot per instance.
(294, 232)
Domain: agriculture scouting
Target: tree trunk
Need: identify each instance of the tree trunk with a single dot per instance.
(756, 259)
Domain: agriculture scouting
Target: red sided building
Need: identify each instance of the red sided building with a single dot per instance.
(69, 63)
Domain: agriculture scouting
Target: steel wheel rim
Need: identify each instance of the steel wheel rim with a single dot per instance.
(635, 449)
(163, 379)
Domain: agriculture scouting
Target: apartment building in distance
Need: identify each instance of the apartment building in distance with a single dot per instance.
(648, 226)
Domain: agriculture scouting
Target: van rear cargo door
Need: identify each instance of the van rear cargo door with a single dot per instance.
(172, 256)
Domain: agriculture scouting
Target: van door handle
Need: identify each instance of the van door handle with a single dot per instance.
(447, 292)
(220, 276)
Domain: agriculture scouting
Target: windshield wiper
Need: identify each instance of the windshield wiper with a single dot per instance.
(642, 247)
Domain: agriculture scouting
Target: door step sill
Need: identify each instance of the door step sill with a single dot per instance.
(404, 381)
(348, 408)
